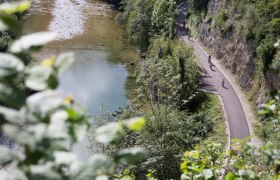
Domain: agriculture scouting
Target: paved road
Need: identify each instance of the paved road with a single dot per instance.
(212, 81)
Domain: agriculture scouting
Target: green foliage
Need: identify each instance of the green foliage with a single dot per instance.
(169, 74)
(137, 20)
(144, 19)
(266, 51)
(276, 62)
(5, 41)
(164, 18)
(244, 162)
(202, 162)
(270, 129)
(222, 22)
(44, 126)
(167, 134)
(199, 5)
(193, 21)
(260, 25)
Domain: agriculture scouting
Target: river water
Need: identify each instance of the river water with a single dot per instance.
(88, 28)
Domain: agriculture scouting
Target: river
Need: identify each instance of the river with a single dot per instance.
(88, 28)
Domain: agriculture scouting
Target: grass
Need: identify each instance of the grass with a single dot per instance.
(214, 108)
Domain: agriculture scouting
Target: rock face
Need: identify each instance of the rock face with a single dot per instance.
(235, 52)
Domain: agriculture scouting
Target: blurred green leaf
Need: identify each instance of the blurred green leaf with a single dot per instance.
(11, 95)
(15, 7)
(10, 115)
(43, 103)
(66, 158)
(43, 172)
(57, 127)
(8, 23)
(135, 124)
(73, 115)
(208, 173)
(110, 133)
(231, 176)
(40, 78)
(64, 61)
(32, 42)
(131, 155)
(10, 65)
(185, 177)
(97, 165)
(6, 155)
(19, 135)
(81, 132)
(103, 177)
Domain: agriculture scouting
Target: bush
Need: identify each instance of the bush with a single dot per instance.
(266, 51)
(167, 134)
(276, 62)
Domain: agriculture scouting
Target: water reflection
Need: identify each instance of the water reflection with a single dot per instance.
(94, 81)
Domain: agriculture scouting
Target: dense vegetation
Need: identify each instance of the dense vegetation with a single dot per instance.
(257, 22)
(144, 19)
(169, 75)
(270, 129)
(45, 126)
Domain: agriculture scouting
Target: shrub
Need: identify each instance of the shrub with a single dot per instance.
(266, 51)
(276, 62)
(220, 19)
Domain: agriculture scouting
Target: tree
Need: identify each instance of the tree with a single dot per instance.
(169, 74)
(164, 18)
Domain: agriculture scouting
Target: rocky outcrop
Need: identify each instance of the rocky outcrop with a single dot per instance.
(234, 51)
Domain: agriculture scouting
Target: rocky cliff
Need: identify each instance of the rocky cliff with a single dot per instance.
(222, 31)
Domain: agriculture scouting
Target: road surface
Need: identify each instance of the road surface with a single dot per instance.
(212, 81)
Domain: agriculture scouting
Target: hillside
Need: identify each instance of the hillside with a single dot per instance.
(241, 35)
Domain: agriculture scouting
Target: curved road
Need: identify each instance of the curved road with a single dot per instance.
(212, 81)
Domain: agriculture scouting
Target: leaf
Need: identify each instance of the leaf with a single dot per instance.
(10, 65)
(64, 61)
(11, 8)
(110, 133)
(6, 155)
(64, 158)
(44, 172)
(101, 165)
(244, 173)
(135, 124)
(19, 135)
(102, 177)
(10, 115)
(231, 176)
(32, 42)
(8, 23)
(97, 165)
(41, 78)
(12, 95)
(43, 103)
(81, 132)
(185, 177)
(57, 127)
(208, 173)
(131, 155)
